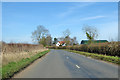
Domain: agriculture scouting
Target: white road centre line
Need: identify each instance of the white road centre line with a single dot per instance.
(67, 57)
(77, 66)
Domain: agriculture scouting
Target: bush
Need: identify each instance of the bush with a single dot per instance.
(109, 48)
(112, 59)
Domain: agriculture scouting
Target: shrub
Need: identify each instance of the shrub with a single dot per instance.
(109, 48)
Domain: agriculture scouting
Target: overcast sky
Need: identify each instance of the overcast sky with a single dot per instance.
(20, 19)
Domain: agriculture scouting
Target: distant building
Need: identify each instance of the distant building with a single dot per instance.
(61, 43)
(95, 41)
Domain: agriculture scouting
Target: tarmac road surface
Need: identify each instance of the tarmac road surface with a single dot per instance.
(64, 64)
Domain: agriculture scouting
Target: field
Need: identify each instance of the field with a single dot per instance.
(13, 67)
(15, 56)
(17, 51)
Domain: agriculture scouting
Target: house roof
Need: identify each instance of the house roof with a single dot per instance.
(61, 42)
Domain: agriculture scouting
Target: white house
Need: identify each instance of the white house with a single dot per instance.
(61, 43)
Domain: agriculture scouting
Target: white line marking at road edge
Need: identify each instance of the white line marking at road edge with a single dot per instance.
(77, 66)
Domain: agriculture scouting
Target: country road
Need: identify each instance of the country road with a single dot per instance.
(63, 64)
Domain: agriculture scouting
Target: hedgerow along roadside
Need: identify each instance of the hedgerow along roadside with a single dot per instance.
(111, 59)
(110, 49)
(13, 67)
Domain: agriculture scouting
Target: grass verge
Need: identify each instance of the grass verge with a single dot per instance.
(13, 67)
(111, 59)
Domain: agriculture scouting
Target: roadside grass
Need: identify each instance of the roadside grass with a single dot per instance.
(11, 68)
(13, 52)
(111, 59)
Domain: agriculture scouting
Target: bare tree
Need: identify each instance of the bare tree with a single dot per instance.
(40, 34)
(67, 40)
(61, 39)
(73, 41)
(91, 32)
(43, 41)
(49, 40)
(66, 33)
